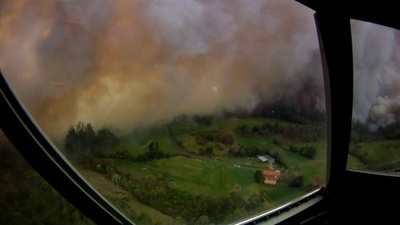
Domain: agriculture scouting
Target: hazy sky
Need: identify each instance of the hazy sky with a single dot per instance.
(125, 63)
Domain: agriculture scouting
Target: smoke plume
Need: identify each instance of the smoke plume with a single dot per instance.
(124, 64)
(376, 52)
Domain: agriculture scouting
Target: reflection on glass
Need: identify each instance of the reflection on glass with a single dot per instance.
(185, 112)
(26, 198)
(375, 136)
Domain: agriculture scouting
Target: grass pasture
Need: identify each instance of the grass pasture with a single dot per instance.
(195, 175)
(354, 163)
(384, 155)
(255, 141)
(185, 131)
(383, 151)
(281, 195)
(219, 174)
(138, 142)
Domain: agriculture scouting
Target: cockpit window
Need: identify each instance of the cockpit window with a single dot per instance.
(375, 133)
(178, 112)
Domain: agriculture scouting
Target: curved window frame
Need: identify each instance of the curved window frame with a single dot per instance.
(361, 196)
(333, 27)
(43, 156)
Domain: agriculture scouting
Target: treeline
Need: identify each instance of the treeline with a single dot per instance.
(361, 132)
(304, 130)
(304, 133)
(245, 151)
(219, 138)
(82, 139)
(306, 151)
(292, 113)
(223, 137)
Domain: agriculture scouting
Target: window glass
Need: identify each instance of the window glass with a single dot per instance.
(186, 112)
(26, 198)
(375, 135)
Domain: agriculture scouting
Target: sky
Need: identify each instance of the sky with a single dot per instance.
(126, 63)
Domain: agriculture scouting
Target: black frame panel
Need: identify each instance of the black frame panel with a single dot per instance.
(352, 196)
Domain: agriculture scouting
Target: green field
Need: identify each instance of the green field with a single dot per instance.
(381, 156)
(201, 169)
(187, 183)
(214, 175)
(137, 142)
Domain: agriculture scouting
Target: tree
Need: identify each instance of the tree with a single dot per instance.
(82, 139)
(310, 152)
(105, 140)
(206, 120)
(297, 181)
(70, 140)
(242, 130)
(259, 177)
(226, 137)
(154, 152)
(206, 151)
(153, 146)
(254, 203)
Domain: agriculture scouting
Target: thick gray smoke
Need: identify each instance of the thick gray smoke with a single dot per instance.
(377, 74)
(129, 63)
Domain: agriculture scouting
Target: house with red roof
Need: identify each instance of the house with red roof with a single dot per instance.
(271, 176)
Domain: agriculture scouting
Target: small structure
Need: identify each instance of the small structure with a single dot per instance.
(266, 159)
(271, 176)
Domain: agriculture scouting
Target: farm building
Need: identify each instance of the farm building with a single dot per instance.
(271, 176)
(266, 159)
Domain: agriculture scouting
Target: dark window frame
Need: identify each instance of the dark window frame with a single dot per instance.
(42, 155)
(333, 27)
